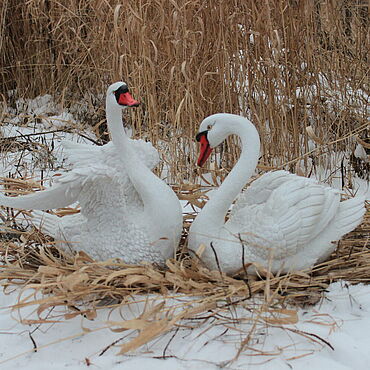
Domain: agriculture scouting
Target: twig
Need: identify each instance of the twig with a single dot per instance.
(301, 332)
(245, 270)
(33, 134)
(33, 341)
(216, 258)
(88, 138)
(165, 348)
(111, 345)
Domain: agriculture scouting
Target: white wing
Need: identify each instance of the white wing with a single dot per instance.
(90, 164)
(108, 155)
(67, 186)
(294, 213)
(260, 190)
(59, 227)
(59, 195)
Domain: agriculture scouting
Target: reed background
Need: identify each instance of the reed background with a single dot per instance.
(187, 59)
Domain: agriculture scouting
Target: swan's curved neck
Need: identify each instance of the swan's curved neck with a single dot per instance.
(214, 211)
(157, 197)
(120, 140)
(115, 124)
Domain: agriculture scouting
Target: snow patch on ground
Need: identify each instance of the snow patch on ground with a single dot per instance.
(342, 319)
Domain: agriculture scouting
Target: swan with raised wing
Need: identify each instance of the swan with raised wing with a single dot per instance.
(282, 222)
(126, 211)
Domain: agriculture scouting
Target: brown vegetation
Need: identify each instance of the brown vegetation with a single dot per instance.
(188, 59)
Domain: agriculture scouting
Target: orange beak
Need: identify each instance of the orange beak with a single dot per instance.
(205, 148)
(127, 100)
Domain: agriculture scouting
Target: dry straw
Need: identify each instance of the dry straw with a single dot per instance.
(286, 64)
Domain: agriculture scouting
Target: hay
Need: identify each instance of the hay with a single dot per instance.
(80, 286)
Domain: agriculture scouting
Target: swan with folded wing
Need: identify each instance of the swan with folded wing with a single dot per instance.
(126, 211)
(282, 222)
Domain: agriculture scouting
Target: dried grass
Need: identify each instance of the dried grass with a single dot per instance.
(186, 60)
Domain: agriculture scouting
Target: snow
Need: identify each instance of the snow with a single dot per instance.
(342, 319)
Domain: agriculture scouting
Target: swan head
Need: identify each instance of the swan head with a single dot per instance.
(214, 130)
(119, 96)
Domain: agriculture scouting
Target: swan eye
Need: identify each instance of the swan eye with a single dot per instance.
(209, 127)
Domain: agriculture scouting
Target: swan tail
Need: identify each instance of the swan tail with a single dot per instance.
(47, 223)
(54, 197)
(350, 214)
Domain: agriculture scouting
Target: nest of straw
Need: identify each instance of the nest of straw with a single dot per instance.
(81, 286)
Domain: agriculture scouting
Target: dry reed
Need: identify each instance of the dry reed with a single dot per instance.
(285, 64)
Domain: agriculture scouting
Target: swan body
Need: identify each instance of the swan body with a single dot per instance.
(122, 201)
(282, 222)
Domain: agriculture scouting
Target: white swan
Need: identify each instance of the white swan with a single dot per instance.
(126, 211)
(282, 221)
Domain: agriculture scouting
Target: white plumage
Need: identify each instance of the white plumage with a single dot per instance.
(282, 221)
(126, 211)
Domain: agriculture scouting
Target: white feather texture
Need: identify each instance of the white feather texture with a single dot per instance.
(126, 211)
(283, 222)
